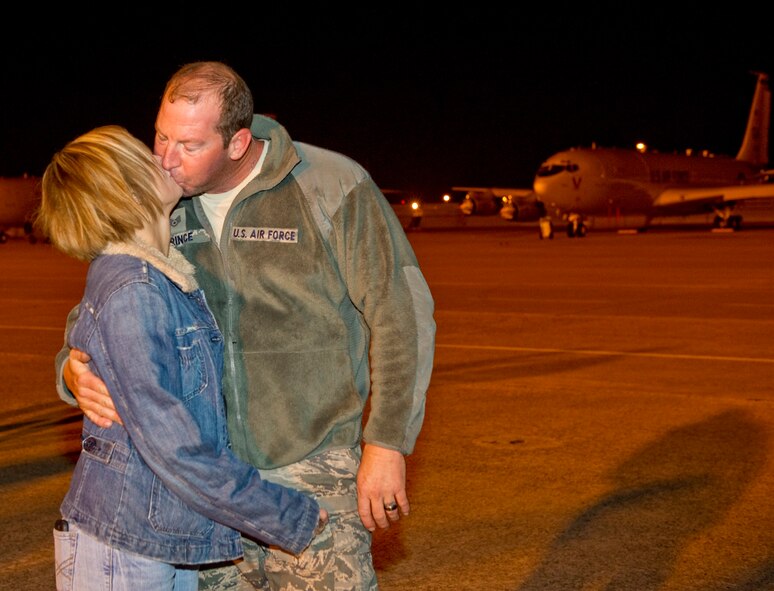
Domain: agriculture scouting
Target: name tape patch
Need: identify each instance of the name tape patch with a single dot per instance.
(180, 234)
(189, 236)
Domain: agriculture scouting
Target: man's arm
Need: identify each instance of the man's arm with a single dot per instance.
(89, 390)
(78, 386)
(402, 349)
(61, 361)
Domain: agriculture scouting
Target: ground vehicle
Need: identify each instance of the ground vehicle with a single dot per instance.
(19, 196)
(407, 205)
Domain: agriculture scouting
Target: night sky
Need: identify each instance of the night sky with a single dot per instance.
(425, 100)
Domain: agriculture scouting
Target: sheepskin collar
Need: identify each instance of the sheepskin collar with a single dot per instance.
(174, 266)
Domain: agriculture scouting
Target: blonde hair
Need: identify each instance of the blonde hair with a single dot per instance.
(100, 188)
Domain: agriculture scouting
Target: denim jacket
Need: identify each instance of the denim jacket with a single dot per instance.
(166, 484)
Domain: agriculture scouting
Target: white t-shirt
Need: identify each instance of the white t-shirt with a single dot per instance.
(216, 205)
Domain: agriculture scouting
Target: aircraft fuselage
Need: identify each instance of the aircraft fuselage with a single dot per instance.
(606, 181)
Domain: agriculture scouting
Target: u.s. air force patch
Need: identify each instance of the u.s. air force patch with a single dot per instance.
(265, 234)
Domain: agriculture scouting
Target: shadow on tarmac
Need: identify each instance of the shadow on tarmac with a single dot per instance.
(667, 493)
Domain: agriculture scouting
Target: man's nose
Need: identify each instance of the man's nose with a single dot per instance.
(166, 158)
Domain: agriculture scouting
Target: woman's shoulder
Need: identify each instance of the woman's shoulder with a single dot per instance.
(116, 269)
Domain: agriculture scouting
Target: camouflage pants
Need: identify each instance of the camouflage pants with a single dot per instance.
(339, 559)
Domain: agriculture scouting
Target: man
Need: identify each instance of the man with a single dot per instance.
(322, 304)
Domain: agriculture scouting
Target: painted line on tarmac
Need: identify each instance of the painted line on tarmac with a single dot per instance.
(612, 353)
(24, 327)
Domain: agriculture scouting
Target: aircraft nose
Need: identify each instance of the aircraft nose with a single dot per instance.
(540, 187)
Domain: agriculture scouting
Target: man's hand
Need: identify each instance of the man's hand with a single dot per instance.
(90, 391)
(381, 484)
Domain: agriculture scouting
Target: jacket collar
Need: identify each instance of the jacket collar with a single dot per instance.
(174, 266)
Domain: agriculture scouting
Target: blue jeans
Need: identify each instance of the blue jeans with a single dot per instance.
(83, 563)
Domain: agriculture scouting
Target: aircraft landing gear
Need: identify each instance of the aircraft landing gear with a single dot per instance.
(725, 219)
(732, 222)
(29, 232)
(545, 229)
(575, 226)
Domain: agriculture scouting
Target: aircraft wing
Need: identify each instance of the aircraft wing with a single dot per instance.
(508, 191)
(496, 191)
(488, 200)
(731, 193)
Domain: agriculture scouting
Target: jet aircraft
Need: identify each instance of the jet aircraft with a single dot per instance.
(580, 184)
(19, 197)
(631, 187)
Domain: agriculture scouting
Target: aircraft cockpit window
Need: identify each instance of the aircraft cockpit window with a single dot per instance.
(552, 169)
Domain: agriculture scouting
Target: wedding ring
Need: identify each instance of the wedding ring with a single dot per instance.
(391, 507)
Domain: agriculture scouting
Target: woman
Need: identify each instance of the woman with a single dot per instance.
(162, 492)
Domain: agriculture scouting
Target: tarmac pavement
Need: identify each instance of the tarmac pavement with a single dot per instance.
(601, 414)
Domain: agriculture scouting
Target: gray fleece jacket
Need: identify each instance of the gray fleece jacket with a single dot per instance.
(320, 299)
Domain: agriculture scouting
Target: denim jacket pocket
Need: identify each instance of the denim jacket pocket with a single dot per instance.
(98, 449)
(192, 369)
(169, 515)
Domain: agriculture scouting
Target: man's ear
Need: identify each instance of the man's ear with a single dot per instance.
(239, 143)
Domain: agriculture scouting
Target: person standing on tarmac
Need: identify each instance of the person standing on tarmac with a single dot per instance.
(156, 496)
(323, 308)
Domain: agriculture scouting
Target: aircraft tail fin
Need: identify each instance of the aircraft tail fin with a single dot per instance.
(755, 145)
